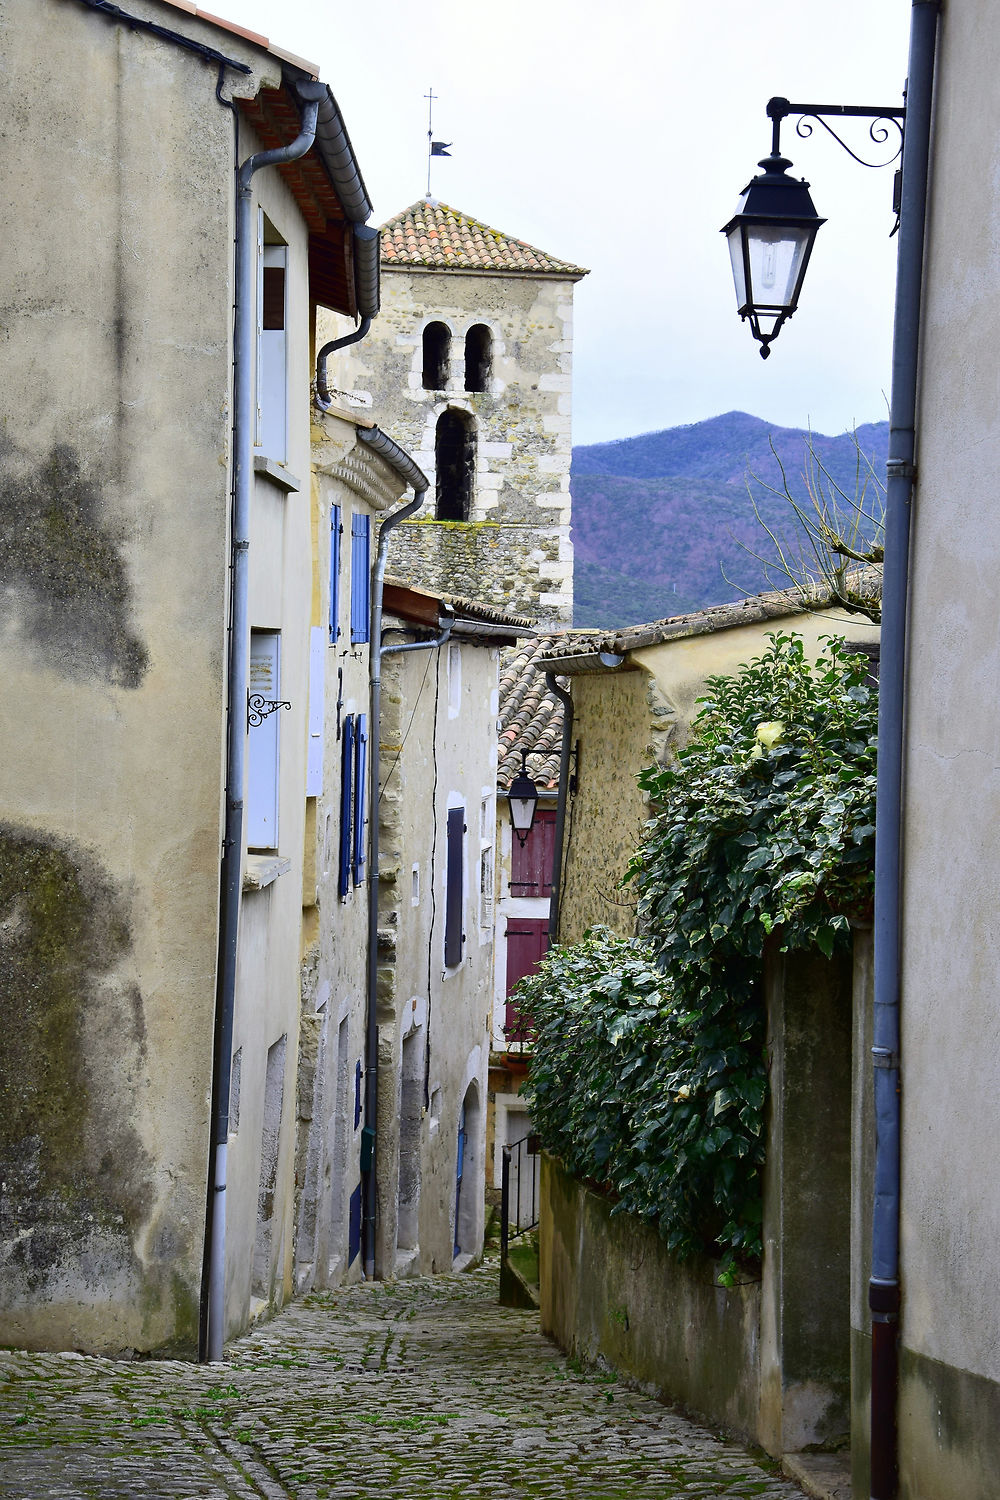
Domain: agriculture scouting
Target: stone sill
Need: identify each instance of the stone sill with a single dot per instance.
(262, 869)
(276, 473)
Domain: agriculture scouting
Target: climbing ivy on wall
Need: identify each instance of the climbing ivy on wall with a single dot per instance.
(649, 1073)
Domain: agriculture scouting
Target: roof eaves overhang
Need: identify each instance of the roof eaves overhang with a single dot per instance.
(327, 186)
(421, 607)
(573, 664)
(505, 272)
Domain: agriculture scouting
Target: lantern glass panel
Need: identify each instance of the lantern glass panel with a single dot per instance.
(522, 810)
(777, 257)
(735, 239)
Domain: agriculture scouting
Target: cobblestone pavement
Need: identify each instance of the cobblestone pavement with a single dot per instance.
(422, 1390)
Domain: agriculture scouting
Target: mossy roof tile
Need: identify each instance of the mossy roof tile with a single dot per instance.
(432, 236)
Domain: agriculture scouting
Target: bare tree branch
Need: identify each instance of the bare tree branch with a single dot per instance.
(839, 536)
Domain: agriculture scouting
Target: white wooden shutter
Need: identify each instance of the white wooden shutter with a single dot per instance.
(317, 711)
(272, 382)
(262, 743)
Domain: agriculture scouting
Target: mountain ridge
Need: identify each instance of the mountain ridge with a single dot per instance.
(668, 516)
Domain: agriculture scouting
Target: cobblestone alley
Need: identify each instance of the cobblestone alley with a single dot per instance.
(422, 1390)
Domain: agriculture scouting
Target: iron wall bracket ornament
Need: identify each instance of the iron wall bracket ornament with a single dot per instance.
(259, 708)
(779, 109)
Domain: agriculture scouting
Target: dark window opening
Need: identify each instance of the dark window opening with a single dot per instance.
(455, 465)
(454, 937)
(478, 358)
(437, 353)
(273, 309)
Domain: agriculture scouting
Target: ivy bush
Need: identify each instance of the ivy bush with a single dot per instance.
(649, 1072)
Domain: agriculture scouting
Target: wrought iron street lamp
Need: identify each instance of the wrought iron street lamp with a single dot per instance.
(773, 231)
(523, 799)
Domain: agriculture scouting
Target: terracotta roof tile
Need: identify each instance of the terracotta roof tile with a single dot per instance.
(251, 36)
(583, 647)
(530, 716)
(432, 235)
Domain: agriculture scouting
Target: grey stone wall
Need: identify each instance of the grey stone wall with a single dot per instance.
(494, 562)
(515, 551)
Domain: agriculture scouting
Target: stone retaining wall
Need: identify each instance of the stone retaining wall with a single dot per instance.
(611, 1289)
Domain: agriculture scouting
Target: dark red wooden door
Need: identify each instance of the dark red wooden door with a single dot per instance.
(527, 944)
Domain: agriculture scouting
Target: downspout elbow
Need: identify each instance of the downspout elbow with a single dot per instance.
(367, 248)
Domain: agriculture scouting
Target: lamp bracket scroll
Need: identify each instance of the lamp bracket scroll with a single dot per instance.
(259, 708)
(882, 118)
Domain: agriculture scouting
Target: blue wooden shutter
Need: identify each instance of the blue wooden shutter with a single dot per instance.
(360, 767)
(336, 529)
(454, 888)
(346, 804)
(354, 1226)
(360, 577)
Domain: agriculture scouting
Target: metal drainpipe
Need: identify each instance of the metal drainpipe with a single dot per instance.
(884, 1286)
(367, 249)
(213, 1317)
(566, 751)
(408, 471)
(323, 398)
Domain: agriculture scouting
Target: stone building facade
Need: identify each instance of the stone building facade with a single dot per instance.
(469, 365)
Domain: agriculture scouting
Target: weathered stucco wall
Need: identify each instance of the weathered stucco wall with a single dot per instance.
(335, 932)
(439, 752)
(115, 452)
(261, 1166)
(949, 1436)
(517, 551)
(114, 540)
(805, 1342)
(614, 718)
(610, 1288)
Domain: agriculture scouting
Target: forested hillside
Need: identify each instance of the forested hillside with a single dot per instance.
(660, 521)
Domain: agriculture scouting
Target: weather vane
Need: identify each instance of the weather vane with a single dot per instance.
(434, 148)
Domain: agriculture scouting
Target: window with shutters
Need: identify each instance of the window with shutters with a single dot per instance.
(272, 345)
(486, 889)
(353, 802)
(336, 532)
(487, 824)
(347, 756)
(454, 936)
(263, 742)
(360, 800)
(360, 577)
(531, 864)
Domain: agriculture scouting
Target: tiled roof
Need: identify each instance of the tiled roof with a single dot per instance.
(530, 716)
(250, 36)
(432, 235)
(579, 651)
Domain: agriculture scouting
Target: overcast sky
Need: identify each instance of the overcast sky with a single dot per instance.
(619, 137)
